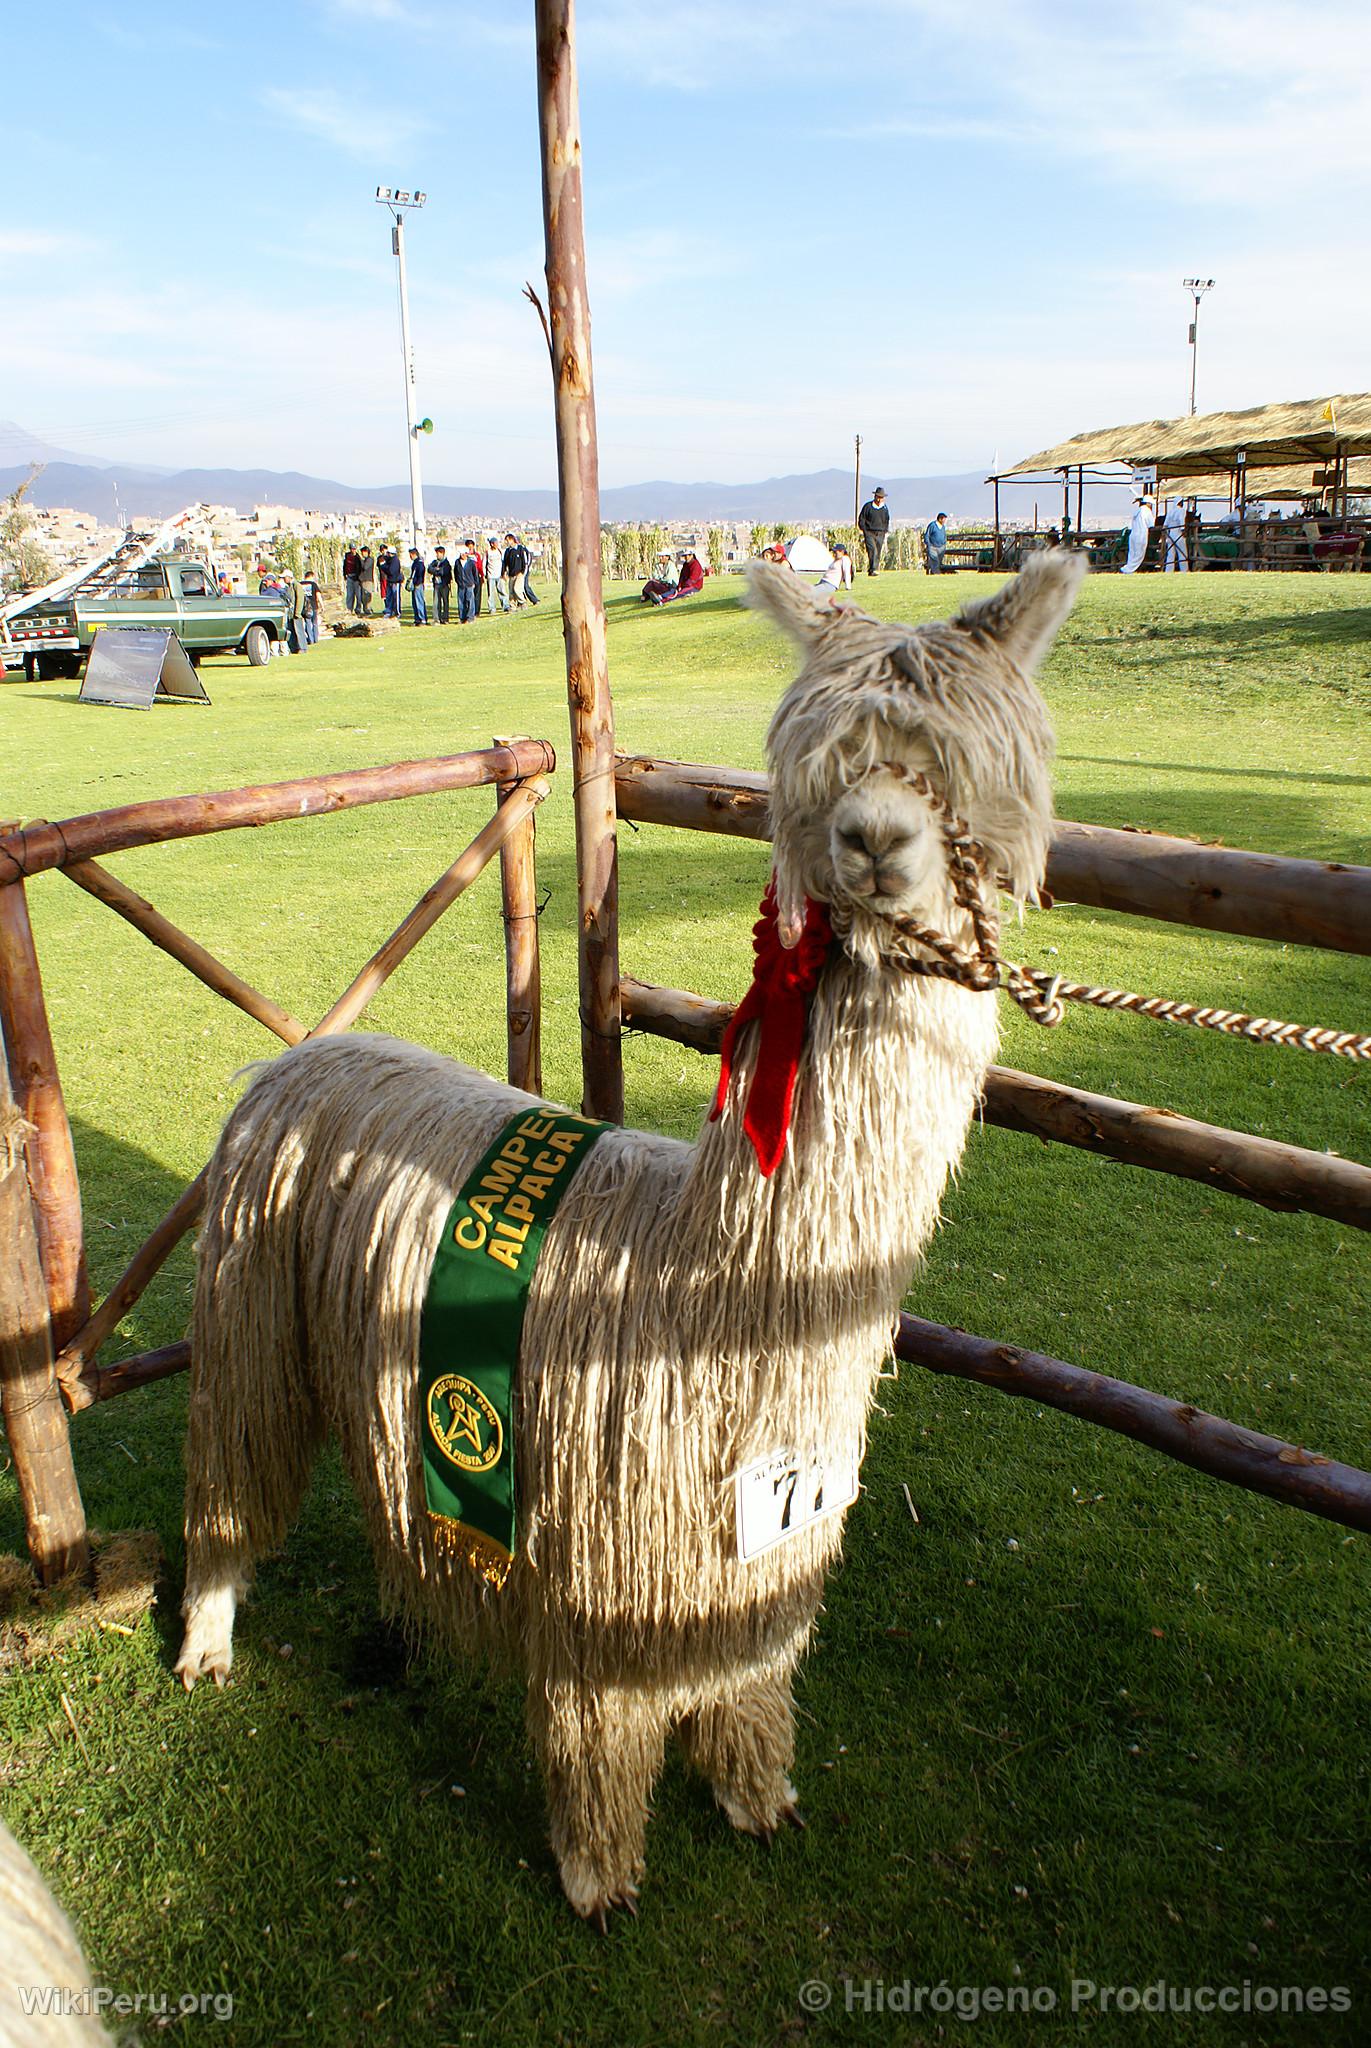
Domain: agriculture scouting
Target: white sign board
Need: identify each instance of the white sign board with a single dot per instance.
(133, 665)
(780, 1495)
(1145, 478)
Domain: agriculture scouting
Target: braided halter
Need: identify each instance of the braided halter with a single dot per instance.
(973, 891)
(1043, 996)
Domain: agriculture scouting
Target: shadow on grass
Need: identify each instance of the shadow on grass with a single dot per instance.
(1205, 768)
(1286, 630)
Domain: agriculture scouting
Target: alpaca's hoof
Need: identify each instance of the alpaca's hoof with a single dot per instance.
(594, 1895)
(598, 1913)
(193, 1664)
(207, 1645)
(763, 1825)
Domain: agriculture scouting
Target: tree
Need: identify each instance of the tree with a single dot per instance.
(24, 562)
(716, 551)
(288, 554)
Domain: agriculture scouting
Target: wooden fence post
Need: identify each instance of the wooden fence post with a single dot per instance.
(38, 1095)
(35, 1423)
(523, 973)
(583, 611)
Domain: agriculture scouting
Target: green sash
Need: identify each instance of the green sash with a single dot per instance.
(472, 1320)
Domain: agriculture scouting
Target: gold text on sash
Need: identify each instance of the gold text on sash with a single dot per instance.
(511, 1196)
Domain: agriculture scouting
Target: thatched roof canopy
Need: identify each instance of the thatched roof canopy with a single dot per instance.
(1288, 480)
(1309, 430)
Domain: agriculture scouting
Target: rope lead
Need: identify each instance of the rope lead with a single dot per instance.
(1041, 996)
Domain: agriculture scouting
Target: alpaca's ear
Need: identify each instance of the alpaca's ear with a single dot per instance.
(1023, 617)
(790, 899)
(781, 594)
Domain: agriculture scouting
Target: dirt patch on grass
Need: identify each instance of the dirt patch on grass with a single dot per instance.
(37, 1620)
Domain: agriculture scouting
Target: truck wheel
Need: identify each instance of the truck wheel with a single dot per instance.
(257, 642)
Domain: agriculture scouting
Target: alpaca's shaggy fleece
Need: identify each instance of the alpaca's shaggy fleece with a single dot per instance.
(686, 1317)
(40, 1955)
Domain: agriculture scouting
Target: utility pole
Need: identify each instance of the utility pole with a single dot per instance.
(396, 202)
(857, 484)
(1197, 287)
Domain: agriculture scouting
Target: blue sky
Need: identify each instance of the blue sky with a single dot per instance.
(958, 230)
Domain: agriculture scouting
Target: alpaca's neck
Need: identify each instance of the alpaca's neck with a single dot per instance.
(888, 1083)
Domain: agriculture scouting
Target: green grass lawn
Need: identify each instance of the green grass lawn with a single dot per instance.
(1093, 1717)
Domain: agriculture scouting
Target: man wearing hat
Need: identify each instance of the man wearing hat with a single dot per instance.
(873, 523)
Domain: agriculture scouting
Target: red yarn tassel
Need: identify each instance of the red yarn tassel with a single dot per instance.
(783, 985)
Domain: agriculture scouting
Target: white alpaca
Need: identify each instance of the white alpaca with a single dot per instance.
(46, 1998)
(688, 1316)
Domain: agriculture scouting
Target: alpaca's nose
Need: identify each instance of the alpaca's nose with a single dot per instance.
(884, 847)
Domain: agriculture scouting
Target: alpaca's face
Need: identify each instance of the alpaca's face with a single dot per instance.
(884, 853)
(951, 700)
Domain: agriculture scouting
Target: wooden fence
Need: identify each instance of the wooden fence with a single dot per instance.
(1218, 889)
(49, 1333)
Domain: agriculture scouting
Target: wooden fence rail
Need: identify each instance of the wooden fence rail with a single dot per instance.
(37, 1139)
(1218, 888)
(74, 1360)
(33, 849)
(1258, 1169)
(1263, 1464)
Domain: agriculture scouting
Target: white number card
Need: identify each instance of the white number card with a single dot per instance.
(778, 1496)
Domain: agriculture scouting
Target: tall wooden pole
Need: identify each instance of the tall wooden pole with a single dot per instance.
(38, 1094)
(857, 482)
(35, 1426)
(583, 611)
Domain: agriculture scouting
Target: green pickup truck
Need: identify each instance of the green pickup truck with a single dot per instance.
(174, 590)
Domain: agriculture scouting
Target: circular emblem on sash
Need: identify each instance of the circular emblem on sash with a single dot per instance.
(465, 1426)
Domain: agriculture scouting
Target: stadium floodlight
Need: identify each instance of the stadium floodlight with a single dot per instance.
(397, 200)
(1197, 287)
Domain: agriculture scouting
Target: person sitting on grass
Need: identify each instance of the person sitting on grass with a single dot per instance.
(838, 574)
(660, 587)
(690, 575)
(690, 578)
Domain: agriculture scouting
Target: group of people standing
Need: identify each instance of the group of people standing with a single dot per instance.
(304, 597)
(503, 575)
(873, 523)
(1175, 536)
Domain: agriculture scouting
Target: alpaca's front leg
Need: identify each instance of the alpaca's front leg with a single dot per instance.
(744, 1743)
(601, 1747)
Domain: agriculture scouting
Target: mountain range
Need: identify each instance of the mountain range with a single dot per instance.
(144, 491)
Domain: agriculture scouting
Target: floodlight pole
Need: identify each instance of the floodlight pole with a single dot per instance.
(395, 202)
(1197, 287)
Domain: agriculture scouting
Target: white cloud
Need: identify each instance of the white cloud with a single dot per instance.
(372, 10)
(362, 129)
(36, 242)
(1248, 105)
